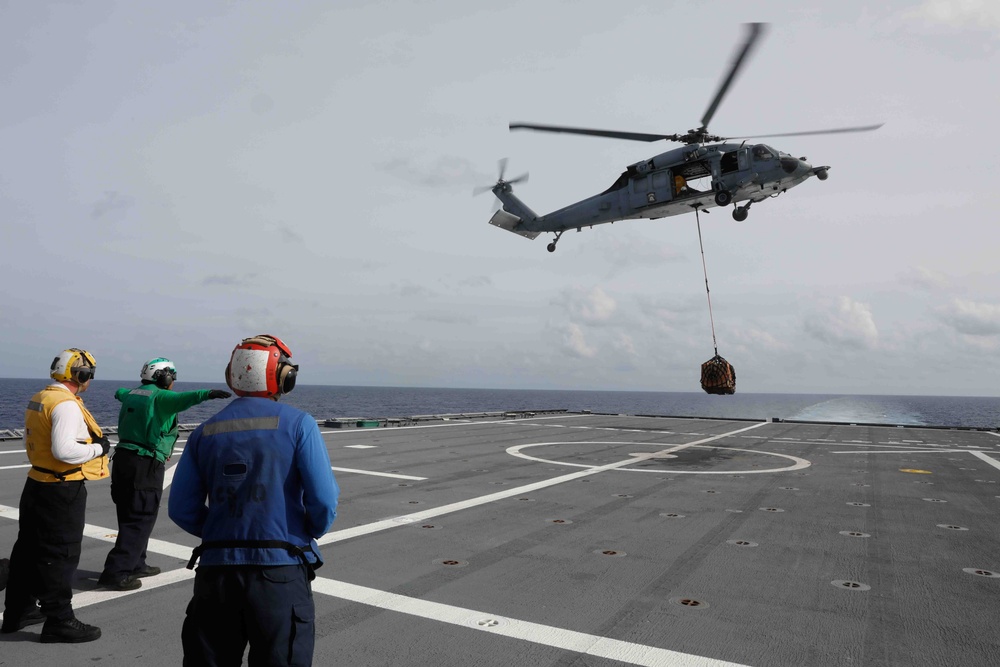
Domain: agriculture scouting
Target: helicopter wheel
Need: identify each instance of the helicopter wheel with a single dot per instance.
(723, 197)
(740, 213)
(551, 247)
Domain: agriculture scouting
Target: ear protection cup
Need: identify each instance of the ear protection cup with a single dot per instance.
(83, 373)
(286, 376)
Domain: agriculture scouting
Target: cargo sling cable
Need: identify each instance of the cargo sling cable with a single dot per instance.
(717, 375)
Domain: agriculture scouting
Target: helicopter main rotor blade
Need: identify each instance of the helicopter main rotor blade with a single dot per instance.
(840, 130)
(755, 31)
(611, 134)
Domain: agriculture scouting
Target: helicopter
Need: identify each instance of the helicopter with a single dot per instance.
(699, 175)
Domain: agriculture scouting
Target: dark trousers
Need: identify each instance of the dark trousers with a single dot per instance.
(47, 551)
(136, 489)
(269, 607)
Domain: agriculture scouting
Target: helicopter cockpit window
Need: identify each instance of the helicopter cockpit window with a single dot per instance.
(762, 152)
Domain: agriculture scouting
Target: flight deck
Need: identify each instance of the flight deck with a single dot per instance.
(555, 538)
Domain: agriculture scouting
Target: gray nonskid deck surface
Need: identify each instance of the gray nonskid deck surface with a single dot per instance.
(610, 540)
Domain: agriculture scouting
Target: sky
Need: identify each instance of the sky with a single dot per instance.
(177, 176)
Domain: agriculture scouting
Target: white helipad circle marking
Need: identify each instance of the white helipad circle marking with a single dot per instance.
(797, 463)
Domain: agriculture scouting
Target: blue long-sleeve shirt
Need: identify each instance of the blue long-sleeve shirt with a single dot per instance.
(256, 471)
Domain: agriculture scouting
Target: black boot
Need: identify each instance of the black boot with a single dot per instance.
(30, 616)
(70, 631)
(121, 582)
(146, 571)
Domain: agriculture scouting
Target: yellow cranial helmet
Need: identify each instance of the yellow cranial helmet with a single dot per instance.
(73, 365)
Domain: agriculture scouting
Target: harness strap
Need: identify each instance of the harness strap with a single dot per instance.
(292, 549)
(61, 476)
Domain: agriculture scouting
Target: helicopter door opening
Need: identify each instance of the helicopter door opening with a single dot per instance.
(691, 186)
(733, 161)
(693, 178)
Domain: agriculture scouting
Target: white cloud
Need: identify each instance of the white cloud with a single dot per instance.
(625, 344)
(755, 338)
(848, 324)
(627, 250)
(441, 172)
(593, 307)
(960, 13)
(923, 278)
(576, 343)
(229, 280)
(971, 318)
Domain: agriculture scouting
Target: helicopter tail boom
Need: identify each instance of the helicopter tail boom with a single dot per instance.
(505, 220)
(514, 214)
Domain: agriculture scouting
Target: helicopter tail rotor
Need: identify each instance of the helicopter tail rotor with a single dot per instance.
(502, 184)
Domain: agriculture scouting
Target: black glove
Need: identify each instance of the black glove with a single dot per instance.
(105, 444)
(218, 393)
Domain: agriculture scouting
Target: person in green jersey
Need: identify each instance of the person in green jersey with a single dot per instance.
(147, 432)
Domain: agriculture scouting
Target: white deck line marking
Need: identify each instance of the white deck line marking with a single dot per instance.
(613, 649)
(622, 652)
(103, 534)
(569, 640)
(15, 451)
(394, 522)
(988, 459)
(26, 465)
(88, 598)
(378, 474)
(798, 464)
(168, 475)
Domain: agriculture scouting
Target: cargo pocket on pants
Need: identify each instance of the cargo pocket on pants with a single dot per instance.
(303, 635)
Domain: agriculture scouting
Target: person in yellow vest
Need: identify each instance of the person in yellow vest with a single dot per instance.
(65, 447)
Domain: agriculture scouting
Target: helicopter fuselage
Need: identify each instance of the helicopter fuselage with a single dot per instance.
(666, 185)
(707, 171)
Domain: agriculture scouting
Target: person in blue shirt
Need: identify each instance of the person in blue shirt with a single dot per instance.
(255, 484)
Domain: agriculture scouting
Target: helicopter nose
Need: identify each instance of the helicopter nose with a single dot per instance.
(789, 164)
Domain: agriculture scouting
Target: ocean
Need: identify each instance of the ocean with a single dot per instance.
(325, 402)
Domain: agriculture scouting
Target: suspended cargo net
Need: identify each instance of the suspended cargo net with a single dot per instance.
(718, 376)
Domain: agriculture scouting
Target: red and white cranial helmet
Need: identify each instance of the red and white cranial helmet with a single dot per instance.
(260, 367)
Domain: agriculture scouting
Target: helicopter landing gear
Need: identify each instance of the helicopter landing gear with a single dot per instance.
(723, 197)
(740, 213)
(552, 246)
